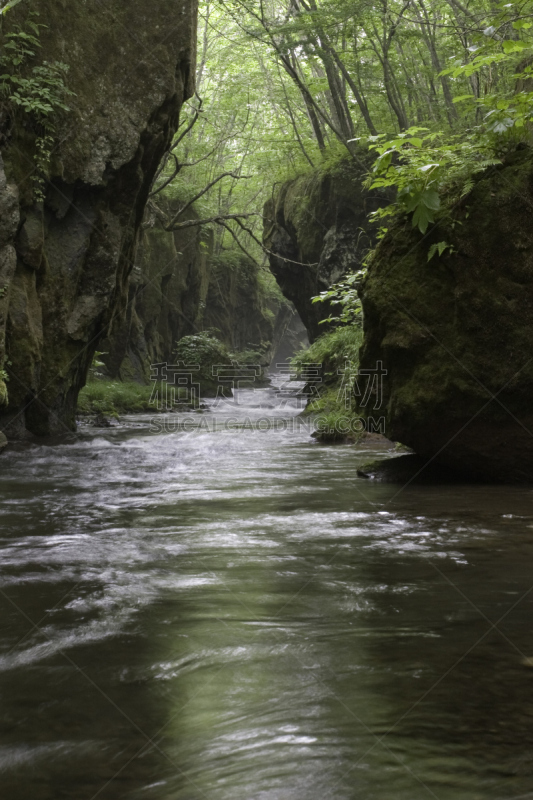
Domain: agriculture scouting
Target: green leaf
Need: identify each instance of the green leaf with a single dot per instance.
(510, 46)
(10, 5)
(430, 199)
(422, 217)
(464, 98)
(439, 248)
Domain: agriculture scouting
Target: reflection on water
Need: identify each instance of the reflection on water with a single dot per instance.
(234, 615)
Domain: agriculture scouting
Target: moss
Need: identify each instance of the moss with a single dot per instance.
(124, 112)
(332, 407)
(455, 334)
(113, 398)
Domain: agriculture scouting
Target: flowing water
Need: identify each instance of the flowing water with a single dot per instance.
(219, 612)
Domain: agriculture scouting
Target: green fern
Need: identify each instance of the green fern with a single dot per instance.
(39, 93)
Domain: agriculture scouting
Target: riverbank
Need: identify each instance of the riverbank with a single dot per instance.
(112, 398)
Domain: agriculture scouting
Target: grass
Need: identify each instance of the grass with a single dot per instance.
(334, 422)
(332, 350)
(112, 398)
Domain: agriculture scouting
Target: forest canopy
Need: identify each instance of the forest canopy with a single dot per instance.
(438, 88)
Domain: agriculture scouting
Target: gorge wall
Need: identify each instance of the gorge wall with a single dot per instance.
(456, 334)
(166, 295)
(238, 305)
(177, 288)
(65, 260)
(317, 229)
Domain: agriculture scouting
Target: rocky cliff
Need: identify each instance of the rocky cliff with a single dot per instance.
(239, 307)
(317, 229)
(456, 334)
(65, 259)
(178, 287)
(166, 301)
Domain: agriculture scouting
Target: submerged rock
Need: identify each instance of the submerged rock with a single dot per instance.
(456, 334)
(101, 421)
(409, 468)
(65, 260)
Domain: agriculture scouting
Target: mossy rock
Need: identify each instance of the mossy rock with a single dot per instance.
(317, 229)
(410, 468)
(75, 247)
(456, 334)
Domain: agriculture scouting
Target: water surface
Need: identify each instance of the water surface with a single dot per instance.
(232, 614)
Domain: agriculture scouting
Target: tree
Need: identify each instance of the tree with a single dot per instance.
(289, 85)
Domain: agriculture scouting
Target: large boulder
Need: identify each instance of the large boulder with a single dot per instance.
(455, 334)
(317, 229)
(65, 261)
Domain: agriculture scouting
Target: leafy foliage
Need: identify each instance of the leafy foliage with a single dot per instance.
(287, 86)
(205, 351)
(343, 294)
(422, 165)
(333, 349)
(440, 248)
(115, 397)
(39, 92)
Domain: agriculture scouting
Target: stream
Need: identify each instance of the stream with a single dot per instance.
(213, 606)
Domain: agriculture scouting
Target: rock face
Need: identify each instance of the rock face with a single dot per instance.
(290, 335)
(238, 308)
(167, 293)
(317, 229)
(456, 334)
(65, 261)
(177, 288)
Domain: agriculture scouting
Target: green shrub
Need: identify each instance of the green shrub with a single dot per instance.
(35, 94)
(205, 351)
(252, 356)
(114, 397)
(332, 350)
(334, 422)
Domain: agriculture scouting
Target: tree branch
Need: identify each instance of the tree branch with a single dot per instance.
(227, 227)
(177, 169)
(193, 223)
(201, 194)
(170, 152)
